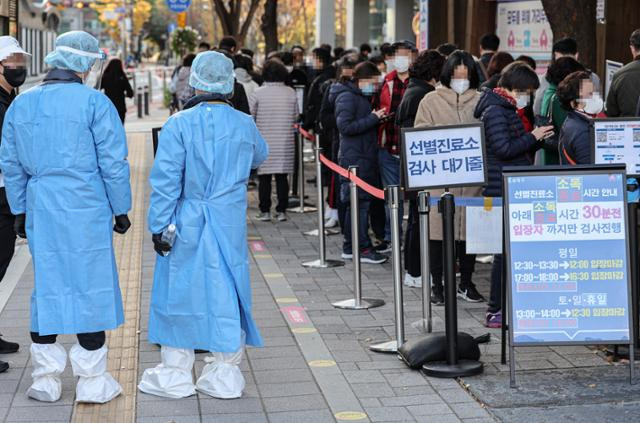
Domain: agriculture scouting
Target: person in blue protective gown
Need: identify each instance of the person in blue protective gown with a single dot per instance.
(63, 157)
(201, 296)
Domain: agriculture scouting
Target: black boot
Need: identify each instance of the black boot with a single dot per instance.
(8, 347)
(4, 366)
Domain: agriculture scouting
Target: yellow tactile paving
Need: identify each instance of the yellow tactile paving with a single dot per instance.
(123, 342)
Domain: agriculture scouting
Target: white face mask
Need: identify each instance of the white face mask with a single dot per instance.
(402, 63)
(522, 101)
(289, 68)
(593, 105)
(460, 85)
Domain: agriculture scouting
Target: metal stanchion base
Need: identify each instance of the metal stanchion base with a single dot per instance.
(305, 209)
(365, 303)
(318, 264)
(388, 347)
(327, 232)
(443, 370)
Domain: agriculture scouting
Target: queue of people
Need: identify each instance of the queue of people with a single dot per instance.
(63, 165)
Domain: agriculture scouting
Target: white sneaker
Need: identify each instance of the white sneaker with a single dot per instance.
(281, 217)
(263, 216)
(331, 223)
(412, 281)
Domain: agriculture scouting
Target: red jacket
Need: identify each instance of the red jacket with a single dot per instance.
(389, 99)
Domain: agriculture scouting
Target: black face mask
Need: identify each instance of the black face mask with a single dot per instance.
(15, 77)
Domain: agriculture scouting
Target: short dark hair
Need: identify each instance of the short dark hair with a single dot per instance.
(446, 48)
(338, 52)
(247, 52)
(365, 70)
(569, 89)
(566, 46)
(187, 60)
(634, 40)
(204, 45)
(326, 47)
(427, 66)
(244, 62)
(455, 59)
(490, 42)
(365, 47)
(287, 58)
(376, 60)
(519, 76)
(323, 55)
(528, 60)
(297, 46)
(348, 61)
(404, 45)
(228, 43)
(274, 71)
(498, 62)
(559, 69)
(386, 49)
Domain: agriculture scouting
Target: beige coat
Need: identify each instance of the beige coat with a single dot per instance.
(444, 107)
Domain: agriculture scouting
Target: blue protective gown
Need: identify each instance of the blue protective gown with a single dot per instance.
(201, 294)
(63, 156)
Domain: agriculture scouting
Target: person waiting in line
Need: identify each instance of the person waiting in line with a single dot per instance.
(334, 214)
(424, 74)
(116, 86)
(67, 175)
(489, 44)
(551, 108)
(357, 125)
(622, 100)
(244, 74)
(498, 62)
(13, 73)
(577, 94)
(204, 46)
(201, 296)
(274, 106)
(452, 103)
(507, 144)
(365, 52)
(564, 47)
(446, 49)
(528, 60)
(388, 98)
(381, 65)
(179, 85)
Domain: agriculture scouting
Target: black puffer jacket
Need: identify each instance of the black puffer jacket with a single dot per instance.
(575, 140)
(508, 144)
(411, 99)
(357, 127)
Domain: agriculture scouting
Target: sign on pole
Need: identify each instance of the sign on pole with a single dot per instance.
(443, 157)
(567, 255)
(617, 140)
(610, 69)
(178, 5)
(423, 25)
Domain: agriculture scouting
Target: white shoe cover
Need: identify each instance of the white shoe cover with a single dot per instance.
(221, 377)
(172, 378)
(95, 384)
(49, 361)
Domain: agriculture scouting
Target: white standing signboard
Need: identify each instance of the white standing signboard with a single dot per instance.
(523, 29)
(611, 68)
(617, 141)
(443, 157)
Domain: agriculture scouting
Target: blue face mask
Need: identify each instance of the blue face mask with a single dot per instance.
(368, 89)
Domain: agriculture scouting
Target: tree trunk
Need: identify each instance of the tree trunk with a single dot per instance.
(229, 15)
(269, 26)
(576, 19)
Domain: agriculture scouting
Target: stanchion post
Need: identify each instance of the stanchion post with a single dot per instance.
(356, 303)
(149, 77)
(393, 201)
(453, 367)
(322, 262)
(301, 207)
(139, 97)
(423, 210)
(146, 100)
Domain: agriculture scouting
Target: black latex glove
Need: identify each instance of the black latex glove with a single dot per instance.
(122, 224)
(18, 225)
(159, 245)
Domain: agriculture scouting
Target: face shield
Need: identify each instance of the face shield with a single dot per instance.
(95, 62)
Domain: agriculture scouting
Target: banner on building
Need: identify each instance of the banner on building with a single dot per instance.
(523, 29)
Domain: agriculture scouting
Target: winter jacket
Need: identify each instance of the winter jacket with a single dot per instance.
(274, 106)
(575, 140)
(492, 82)
(357, 127)
(406, 114)
(314, 97)
(247, 82)
(444, 107)
(389, 98)
(625, 91)
(507, 143)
